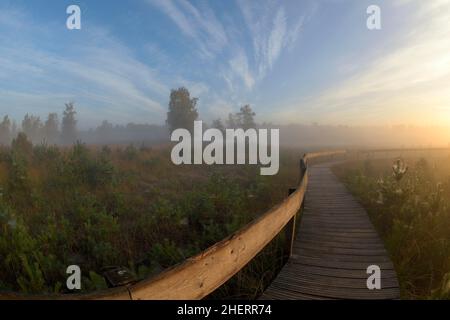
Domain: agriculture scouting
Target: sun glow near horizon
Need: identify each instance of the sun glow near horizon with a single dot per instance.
(406, 84)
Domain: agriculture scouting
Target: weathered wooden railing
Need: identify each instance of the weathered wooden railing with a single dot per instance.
(200, 275)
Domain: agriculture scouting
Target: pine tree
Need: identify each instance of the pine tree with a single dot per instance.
(5, 131)
(246, 117)
(32, 127)
(51, 131)
(69, 125)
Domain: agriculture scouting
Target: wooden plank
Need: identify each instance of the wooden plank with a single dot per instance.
(340, 240)
(342, 245)
(338, 293)
(320, 248)
(286, 294)
(358, 265)
(333, 281)
(369, 260)
(334, 272)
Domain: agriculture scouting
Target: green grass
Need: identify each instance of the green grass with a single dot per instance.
(412, 215)
(125, 206)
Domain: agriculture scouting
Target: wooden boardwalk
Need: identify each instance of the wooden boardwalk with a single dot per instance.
(335, 244)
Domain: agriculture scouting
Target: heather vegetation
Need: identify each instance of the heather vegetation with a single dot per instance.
(63, 202)
(409, 204)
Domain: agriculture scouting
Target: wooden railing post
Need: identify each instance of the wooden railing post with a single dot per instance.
(302, 168)
(290, 232)
(290, 228)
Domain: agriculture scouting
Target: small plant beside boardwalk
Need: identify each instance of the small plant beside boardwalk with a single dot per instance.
(409, 203)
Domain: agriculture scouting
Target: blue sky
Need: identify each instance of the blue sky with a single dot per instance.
(293, 61)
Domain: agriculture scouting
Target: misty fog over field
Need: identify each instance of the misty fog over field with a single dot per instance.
(400, 136)
(292, 135)
(297, 135)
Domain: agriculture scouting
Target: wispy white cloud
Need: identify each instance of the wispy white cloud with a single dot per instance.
(277, 39)
(209, 28)
(176, 15)
(404, 84)
(112, 79)
(200, 25)
(105, 79)
(240, 67)
(268, 29)
(125, 90)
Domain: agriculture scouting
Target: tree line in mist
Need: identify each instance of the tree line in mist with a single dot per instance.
(38, 131)
(182, 112)
(62, 129)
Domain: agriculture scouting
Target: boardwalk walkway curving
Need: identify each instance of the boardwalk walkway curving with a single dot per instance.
(335, 244)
